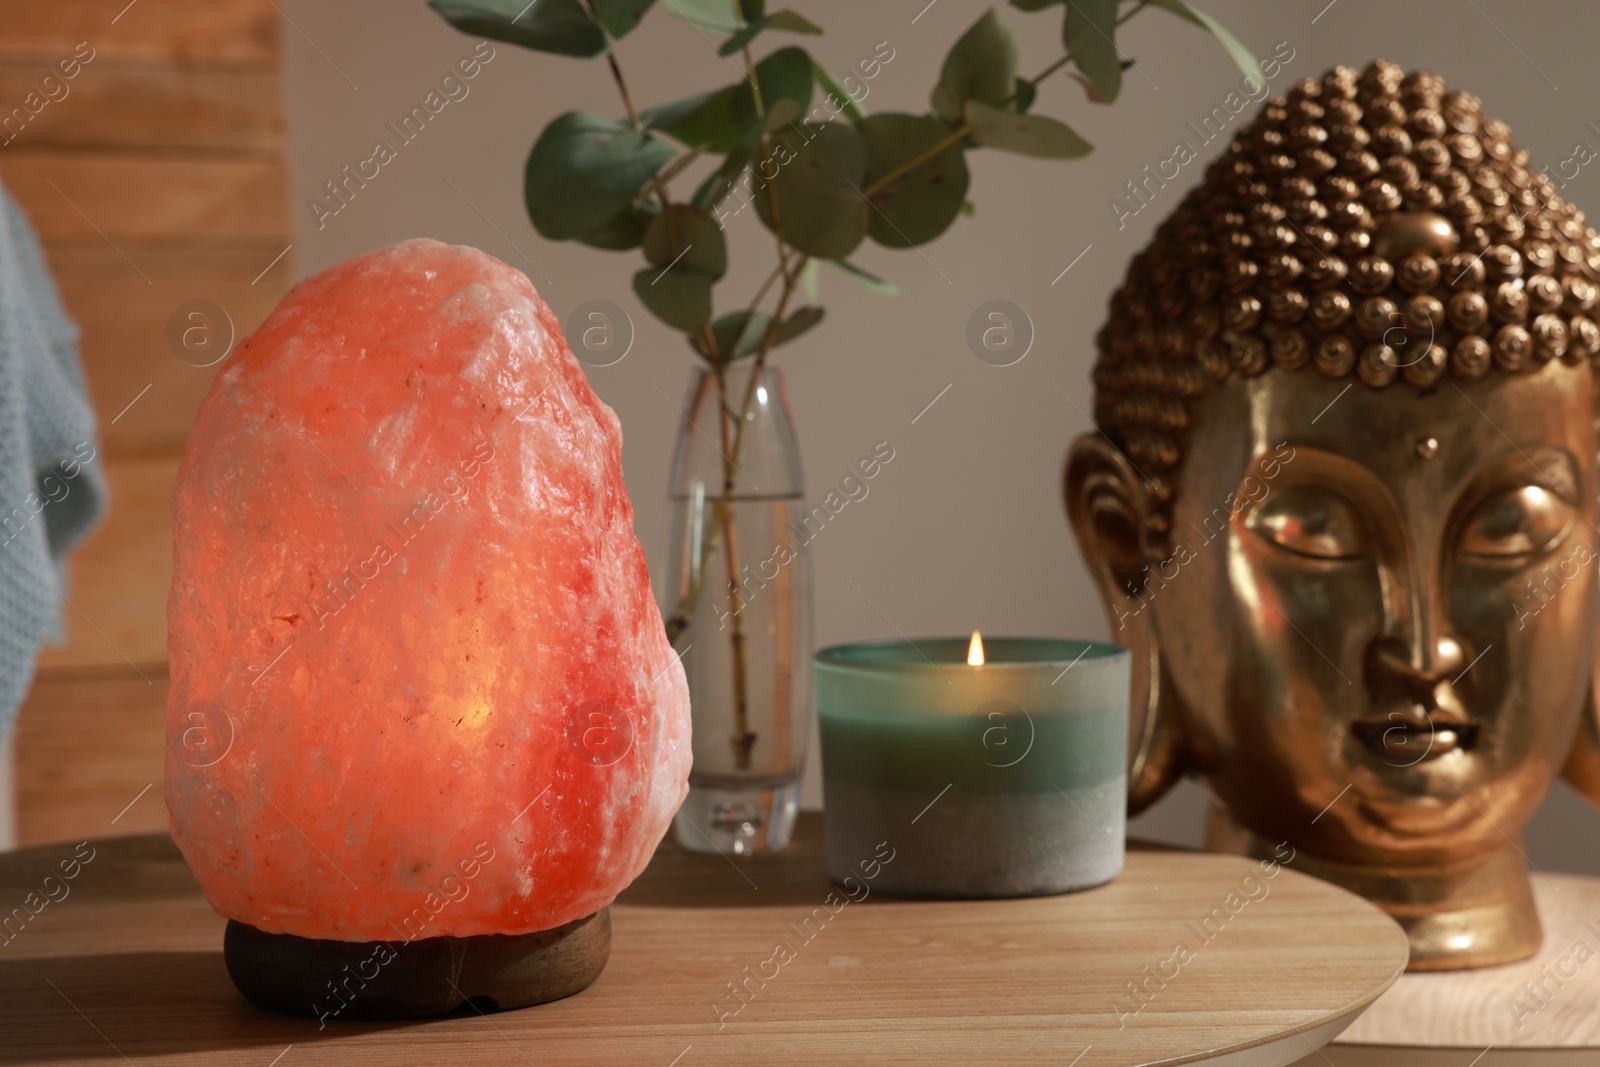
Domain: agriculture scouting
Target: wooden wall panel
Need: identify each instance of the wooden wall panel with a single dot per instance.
(159, 180)
(87, 746)
(141, 107)
(118, 578)
(168, 32)
(124, 322)
(117, 197)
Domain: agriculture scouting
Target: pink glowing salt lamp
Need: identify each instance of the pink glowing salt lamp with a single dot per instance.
(422, 706)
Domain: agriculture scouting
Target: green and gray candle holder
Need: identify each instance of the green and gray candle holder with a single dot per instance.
(1004, 778)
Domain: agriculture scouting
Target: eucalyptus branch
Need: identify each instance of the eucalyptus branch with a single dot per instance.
(678, 621)
(776, 273)
(743, 739)
(658, 184)
(580, 159)
(669, 172)
(765, 144)
(962, 128)
(622, 87)
(957, 134)
(627, 100)
(616, 73)
(768, 341)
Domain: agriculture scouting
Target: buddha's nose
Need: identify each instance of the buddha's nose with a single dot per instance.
(1416, 670)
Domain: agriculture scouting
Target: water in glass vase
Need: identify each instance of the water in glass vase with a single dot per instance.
(738, 608)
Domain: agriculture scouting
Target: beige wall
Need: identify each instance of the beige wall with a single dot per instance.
(964, 529)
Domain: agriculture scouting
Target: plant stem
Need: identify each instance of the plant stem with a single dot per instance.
(622, 86)
(679, 620)
(707, 338)
(742, 740)
(722, 529)
(777, 272)
(960, 131)
(627, 101)
(616, 73)
(765, 145)
(732, 432)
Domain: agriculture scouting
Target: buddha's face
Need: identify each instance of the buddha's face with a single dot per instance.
(1378, 621)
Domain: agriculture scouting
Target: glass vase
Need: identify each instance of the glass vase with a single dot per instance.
(738, 609)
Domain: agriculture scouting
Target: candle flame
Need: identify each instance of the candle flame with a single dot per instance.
(975, 650)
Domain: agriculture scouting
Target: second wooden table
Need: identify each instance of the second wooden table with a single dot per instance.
(1185, 958)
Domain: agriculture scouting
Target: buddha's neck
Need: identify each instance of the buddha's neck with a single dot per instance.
(1475, 914)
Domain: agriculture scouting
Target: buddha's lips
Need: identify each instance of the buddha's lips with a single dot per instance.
(1405, 739)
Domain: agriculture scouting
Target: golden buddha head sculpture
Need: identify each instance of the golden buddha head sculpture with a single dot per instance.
(1341, 500)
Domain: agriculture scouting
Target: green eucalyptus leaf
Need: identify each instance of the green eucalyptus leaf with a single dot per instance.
(721, 119)
(739, 334)
(780, 114)
(584, 169)
(778, 20)
(849, 106)
(796, 324)
(1026, 92)
(746, 34)
(792, 21)
(981, 66)
(670, 171)
(679, 298)
(704, 120)
(618, 17)
(742, 333)
(559, 26)
(624, 230)
(871, 282)
(1090, 28)
(810, 284)
(1028, 135)
(920, 204)
(720, 182)
(1236, 50)
(716, 16)
(784, 75)
(1034, 5)
(684, 237)
(1091, 90)
(817, 173)
(674, 168)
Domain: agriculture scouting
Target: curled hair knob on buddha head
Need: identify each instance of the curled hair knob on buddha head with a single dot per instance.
(1373, 226)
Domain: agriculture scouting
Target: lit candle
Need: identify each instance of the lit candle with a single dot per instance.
(992, 769)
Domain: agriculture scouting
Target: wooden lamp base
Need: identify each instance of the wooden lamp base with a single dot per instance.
(415, 979)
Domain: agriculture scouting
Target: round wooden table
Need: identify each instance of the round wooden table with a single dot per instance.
(1185, 958)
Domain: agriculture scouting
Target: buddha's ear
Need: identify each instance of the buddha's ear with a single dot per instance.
(1582, 770)
(1109, 516)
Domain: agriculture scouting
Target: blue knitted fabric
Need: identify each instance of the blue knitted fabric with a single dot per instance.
(52, 491)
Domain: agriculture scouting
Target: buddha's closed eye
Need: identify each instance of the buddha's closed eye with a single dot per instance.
(1312, 521)
(1506, 526)
(1516, 522)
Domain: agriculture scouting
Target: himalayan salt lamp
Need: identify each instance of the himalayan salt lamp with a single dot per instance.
(424, 723)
